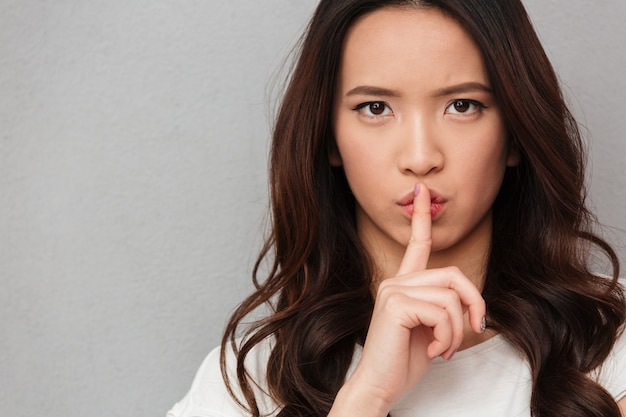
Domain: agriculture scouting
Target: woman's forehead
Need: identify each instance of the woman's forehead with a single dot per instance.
(409, 47)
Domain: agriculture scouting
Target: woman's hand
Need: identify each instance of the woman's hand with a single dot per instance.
(418, 315)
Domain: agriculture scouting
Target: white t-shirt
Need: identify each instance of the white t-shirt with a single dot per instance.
(489, 379)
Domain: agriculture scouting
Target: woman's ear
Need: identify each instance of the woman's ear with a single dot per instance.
(334, 157)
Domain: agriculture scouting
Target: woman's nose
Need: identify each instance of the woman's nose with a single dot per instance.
(419, 152)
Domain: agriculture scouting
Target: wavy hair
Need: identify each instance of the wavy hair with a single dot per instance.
(539, 289)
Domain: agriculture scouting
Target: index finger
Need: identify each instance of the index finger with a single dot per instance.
(418, 250)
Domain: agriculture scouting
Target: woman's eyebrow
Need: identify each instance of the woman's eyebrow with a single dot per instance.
(372, 91)
(468, 87)
(445, 91)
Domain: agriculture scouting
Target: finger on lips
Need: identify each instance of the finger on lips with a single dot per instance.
(418, 250)
(415, 259)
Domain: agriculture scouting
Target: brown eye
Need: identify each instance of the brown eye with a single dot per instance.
(374, 109)
(377, 108)
(461, 106)
(465, 107)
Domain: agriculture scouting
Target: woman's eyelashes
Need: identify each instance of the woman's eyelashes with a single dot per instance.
(373, 109)
(464, 107)
(376, 110)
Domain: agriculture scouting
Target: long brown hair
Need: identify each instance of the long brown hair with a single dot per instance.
(539, 290)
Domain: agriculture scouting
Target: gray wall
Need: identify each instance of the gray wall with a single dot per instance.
(133, 139)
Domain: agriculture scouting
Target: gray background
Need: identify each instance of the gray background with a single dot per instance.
(133, 142)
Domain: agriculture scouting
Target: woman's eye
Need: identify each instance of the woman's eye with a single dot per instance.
(373, 109)
(464, 107)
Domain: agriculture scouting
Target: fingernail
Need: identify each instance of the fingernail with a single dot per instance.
(416, 191)
(483, 325)
(452, 355)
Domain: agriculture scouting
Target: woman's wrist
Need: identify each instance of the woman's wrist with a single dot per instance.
(352, 401)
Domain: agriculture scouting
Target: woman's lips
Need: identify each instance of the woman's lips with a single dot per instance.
(437, 204)
(436, 208)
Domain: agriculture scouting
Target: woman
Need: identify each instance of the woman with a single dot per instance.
(427, 198)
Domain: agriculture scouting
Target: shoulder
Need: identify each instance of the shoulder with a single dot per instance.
(208, 395)
(611, 375)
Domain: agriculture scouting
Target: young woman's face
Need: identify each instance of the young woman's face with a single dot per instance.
(414, 104)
